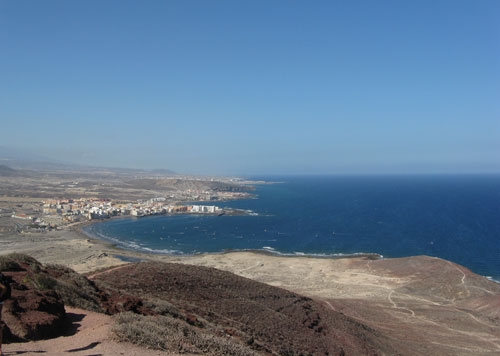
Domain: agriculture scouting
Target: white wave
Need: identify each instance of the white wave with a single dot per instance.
(492, 279)
(135, 246)
(318, 255)
(162, 251)
(130, 245)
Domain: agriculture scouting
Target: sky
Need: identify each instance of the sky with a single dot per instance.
(254, 87)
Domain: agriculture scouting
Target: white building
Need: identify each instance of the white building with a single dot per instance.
(204, 209)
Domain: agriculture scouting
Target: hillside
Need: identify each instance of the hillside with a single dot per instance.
(423, 305)
(407, 306)
(176, 307)
(267, 319)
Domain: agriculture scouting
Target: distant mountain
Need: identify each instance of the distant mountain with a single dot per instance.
(163, 171)
(25, 160)
(22, 159)
(13, 154)
(138, 171)
(6, 171)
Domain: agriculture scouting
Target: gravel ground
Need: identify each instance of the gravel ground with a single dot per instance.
(91, 336)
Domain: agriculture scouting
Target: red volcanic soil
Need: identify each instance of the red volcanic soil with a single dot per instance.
(408, 306)
(31, 313)
(269, 319)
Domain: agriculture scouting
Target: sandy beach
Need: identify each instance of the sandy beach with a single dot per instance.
(427, 301)
(73, 248)
(69, 247)
(349, 277)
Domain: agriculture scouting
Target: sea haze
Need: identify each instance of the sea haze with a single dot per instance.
(452, 217)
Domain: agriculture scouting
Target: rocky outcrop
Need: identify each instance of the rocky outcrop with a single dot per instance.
(39, 293)
(34, 315)
(116, 302)
(34, 311)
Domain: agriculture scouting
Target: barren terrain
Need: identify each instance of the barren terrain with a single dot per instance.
(109, 185)
(416, 305)
(432, 305)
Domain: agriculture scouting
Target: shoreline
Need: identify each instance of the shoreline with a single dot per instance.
(84, 252)
(395, 296)
(124, 254)
(79, 228)
(73, 247)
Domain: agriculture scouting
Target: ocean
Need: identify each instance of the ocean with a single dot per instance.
(455, 217)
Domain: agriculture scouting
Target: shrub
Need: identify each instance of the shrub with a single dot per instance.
(162, 307)
(22, 258)
(75, 289)
(8, 265)
(43, 282)
(11, 262)
(169, 334)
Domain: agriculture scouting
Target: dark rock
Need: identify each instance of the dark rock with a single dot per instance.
(117, 302)
(33, 314)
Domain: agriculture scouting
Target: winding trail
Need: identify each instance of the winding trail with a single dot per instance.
(93, 275)
(397, 307)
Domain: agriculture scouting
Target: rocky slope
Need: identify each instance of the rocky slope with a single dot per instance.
(36, 309)
(409, 306)
(215, 312)
(268, 319)
(423, 305)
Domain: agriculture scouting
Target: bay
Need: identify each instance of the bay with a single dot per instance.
(455, 217)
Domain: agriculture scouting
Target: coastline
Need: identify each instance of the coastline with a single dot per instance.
(83, 252)
(421, 299)
(79, 228)
(309, 245)
(74, 247)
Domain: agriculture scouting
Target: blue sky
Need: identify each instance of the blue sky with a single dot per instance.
(253, 87)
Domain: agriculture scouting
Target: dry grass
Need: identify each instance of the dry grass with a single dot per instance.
(11, 262)
(163, 307)
(170, 334)
(42, 282)
(75, 290)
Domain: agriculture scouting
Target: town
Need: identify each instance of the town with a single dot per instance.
(57, 213)
(38, 201)
(74, 210)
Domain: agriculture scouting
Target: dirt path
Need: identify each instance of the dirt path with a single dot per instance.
(92, 276)
(90, 336)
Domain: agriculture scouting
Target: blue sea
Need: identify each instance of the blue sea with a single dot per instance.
(453, 217)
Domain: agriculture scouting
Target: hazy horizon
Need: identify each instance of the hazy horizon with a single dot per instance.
(252, 88)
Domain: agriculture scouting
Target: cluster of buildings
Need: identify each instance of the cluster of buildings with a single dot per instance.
(204, 209)
(34, 222)
(74, 210)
